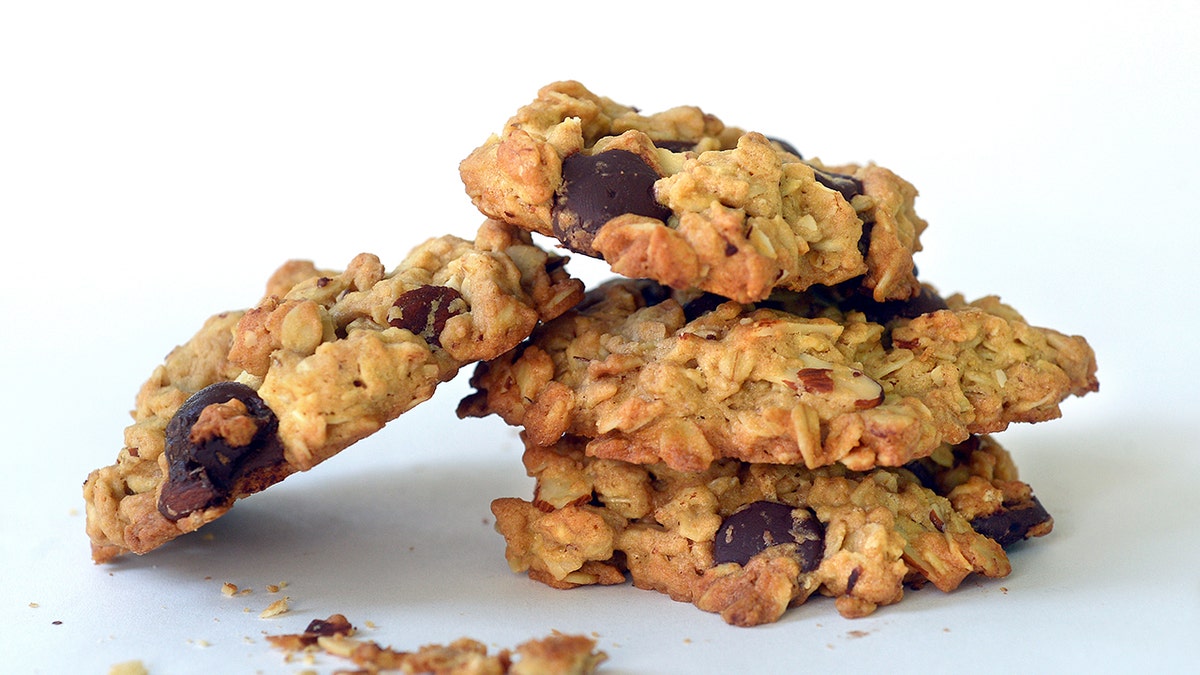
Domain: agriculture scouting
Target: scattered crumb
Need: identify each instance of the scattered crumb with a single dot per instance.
(371, 625)
(34, 605)
(1004, 590)
(276, 608)
(857, 634)
(557, 653)
(945, 630)
(229, 590)
(208, 536)
(73, 512)
(128, 668)
(56, 623)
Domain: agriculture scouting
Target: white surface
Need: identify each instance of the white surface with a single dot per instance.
(157, 161)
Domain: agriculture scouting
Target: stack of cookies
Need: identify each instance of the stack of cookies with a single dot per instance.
(768, 404)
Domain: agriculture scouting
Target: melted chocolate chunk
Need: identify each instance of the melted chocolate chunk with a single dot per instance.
(760, 525)
(1012, 523)
(787, 147)
(425, 310)
(702, 304)
(597, 188)
(203, 468)
(675, 146)
(849, 186)
(885, 312)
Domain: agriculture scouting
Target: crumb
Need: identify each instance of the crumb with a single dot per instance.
(371, 625)
(128, 668)
(858, 633)
(1004, 590)
(34, 605)
(557, 653)
(272, 588)
(275, 608)
(229, 590)
(56, 623)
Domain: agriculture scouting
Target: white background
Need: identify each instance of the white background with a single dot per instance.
(159, 160)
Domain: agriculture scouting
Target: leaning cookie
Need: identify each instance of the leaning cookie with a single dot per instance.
(748, 541)
(649, 376)
(681, 198)
(324, 360)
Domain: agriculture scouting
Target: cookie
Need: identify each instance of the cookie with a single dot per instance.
(747, 541)
(324, 360)
(647, 375)
(681, 198)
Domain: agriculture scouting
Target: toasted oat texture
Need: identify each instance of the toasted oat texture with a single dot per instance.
(681, 198)
(748, 541)
(556, 654)
(324, 360)
(647, 379)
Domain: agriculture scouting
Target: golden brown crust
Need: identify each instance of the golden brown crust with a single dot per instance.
(644, 384)
(334, 357)
(592, 520)
(746, 215)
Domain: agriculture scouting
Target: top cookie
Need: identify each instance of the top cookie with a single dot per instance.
(324, 360)
(680, 198)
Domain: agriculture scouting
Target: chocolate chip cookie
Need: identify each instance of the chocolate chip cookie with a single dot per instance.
(647, 375)
(324, 360)
(747, 541)
(681, 198)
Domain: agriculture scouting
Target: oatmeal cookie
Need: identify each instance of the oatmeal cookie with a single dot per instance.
(646, 375)
(324, 360)
(748, 541)
(681, 198)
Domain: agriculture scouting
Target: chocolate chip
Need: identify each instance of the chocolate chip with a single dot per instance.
(885, 312)
(425, 310)
(786, 147)
(1012, 523)
(702, 304)
(206, 461)
(675, 146)
(597, 188)
(336, 624)
(760, 525)
(849, 186)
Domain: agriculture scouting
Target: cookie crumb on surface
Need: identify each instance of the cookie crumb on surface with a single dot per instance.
(128, 668)
(556, 654)
(275, 608)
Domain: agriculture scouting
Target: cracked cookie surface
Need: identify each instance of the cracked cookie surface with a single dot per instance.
(324, 360)
(647, 375)
(747, 541)
(681, 198)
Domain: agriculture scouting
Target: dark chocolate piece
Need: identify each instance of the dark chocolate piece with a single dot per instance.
(1012, 523)
(675, 146)
(597, 188)
(787, 147)
(425, 310)
(849, 186)
(763, 524)
(204, 465)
